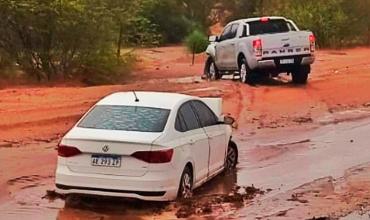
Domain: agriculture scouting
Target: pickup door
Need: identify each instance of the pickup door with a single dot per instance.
(226, 48)
(280, 38)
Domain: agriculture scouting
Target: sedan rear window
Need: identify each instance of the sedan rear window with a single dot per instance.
(126, 118)
(268, 27)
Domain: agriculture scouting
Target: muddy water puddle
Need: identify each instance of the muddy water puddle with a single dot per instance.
(293, 159)
(357, 216)
(29, 200)
(275, 162)
(28, 204)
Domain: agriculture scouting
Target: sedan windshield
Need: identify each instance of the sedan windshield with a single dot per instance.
(126, 118)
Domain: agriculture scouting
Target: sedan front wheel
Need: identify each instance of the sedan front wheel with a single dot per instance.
(232, 156)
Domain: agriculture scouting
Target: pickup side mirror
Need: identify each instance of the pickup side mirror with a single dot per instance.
(213, 39)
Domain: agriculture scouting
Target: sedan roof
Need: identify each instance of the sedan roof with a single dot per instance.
(146, 99)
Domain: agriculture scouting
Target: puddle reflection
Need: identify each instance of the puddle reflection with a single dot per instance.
(221, 184)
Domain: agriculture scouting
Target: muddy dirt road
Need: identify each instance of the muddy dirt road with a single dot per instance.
(306, 147)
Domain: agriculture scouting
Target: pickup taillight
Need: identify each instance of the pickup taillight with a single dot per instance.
(257, 47)
(312, 40)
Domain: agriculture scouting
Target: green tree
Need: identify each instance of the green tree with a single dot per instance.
(196, 42)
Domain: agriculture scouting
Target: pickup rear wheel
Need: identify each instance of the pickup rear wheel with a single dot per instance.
(211, 71)
(300, 74)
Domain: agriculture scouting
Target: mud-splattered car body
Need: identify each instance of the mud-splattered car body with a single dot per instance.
(140, 145)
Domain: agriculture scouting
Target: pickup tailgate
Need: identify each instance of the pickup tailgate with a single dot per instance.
(285, 44)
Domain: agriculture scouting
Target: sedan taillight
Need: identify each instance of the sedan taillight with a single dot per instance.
(68, 151)
(163, 156)
(257, 47)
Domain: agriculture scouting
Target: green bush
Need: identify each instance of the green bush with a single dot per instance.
(196, 42)
(169, 18)
(103, 68)
(336, 23)
(55, 39)
(141, 32)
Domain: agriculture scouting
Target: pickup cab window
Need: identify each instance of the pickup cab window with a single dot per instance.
(245, 32)
(291, 26)
(234, 31)
(268, 27)
(226, 33)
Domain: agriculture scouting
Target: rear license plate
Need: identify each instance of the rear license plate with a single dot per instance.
(105, 161)
(287, 61)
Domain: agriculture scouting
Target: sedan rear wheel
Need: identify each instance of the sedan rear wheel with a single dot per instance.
(186, 184)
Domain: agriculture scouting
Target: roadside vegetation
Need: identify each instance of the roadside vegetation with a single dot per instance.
(87, 40)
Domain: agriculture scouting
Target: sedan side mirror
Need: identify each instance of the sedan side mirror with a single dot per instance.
(229, 120)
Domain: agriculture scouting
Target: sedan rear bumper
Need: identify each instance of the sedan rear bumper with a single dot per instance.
(141, 193)
(153, 186)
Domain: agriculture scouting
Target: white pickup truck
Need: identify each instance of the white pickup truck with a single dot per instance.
(265, 46)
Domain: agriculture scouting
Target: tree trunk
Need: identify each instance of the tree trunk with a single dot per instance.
(368, 35)
(262, 9)
(119, 43)
(193, 58)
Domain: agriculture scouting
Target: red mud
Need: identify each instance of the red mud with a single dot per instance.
(339, 81)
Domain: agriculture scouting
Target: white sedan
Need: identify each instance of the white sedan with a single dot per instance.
(146, 145)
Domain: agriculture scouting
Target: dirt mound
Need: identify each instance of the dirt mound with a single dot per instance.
(203, 205)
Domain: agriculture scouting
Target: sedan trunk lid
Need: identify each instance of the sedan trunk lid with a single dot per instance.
(108, 144)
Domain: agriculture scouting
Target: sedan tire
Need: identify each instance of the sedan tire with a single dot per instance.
(232, 156)
(186, 184)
